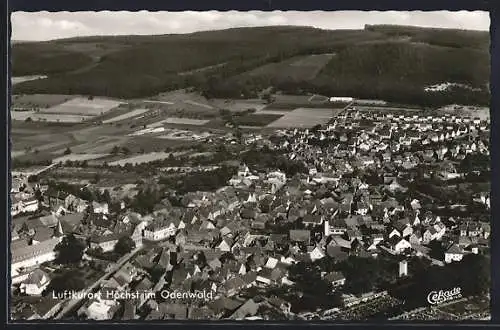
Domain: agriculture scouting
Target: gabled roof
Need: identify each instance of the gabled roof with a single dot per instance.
(454, 249)
(38, 277)
(300, 235)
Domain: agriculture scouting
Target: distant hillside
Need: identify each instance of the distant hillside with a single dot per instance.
(379, 61)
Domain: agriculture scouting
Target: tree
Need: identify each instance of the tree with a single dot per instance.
(115, 150)
(38, 195)
(67, 151)
(68, 281)
(124, 245)
(437, 249)
(316, 128)
(96, 178)
(69, 250)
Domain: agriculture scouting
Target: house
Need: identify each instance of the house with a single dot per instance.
(224, 246)
(281, 304)
(24, 206)
(337, 279)
(143, 288)
(160, 229)
(300, 235)
(316, 254)
(312, 220)
(126, 274)
(403, 229)
(415, 238)
(100, 207)
(105, 242)
(453, 253)
(36, 282)
(101, 310)
(249, 308)
(336, 226)
(24, 255)
(400, 245)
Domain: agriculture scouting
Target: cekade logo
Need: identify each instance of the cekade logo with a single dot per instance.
(441, 296)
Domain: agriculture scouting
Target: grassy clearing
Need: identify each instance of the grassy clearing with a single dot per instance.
(257, 119)
(78, 157)
(130, 114)
(185, 121)
(139, 159)
(83, 106)
(305, 118)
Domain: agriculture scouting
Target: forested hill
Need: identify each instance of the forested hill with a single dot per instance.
(381, 61)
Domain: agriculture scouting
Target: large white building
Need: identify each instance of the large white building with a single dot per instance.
(341, 99)
(26, 256)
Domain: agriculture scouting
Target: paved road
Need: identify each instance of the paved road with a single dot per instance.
(74, 302)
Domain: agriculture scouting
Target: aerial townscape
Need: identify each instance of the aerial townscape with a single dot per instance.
(282, 202)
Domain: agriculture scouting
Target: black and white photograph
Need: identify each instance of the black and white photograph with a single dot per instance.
(250, 165)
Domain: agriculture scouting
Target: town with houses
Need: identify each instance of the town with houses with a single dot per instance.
(354, 212)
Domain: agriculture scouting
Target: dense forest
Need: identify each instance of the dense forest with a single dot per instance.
(387, 62)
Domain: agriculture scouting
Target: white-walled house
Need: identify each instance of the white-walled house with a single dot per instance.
(100, 207)
(25, 256)
(160, 230)
(36, 282)
(23, 206)
(453, 254)
(105, 242)
(401, 246)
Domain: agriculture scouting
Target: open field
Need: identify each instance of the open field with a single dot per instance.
(239, 106)
(98, 145)
(273, 112)
(482, 112)
(49, 117)
(390, 109)
(139, 159)
(130, 114)
(149, 130)
(185, 121)
(291, 99)
(40, 145)
(39, 100)
(78, 157)
(257, 119)
(318, 98)
(305, 117)
(177, 134)
(84, 106)
(295, 68)
(158, 102)
(17, 80)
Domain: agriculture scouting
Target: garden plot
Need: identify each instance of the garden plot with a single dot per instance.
(175, 134)
(39, 100)
(139, 159)
(185, 121)
(21, 115)
(48, 117)
(239, 106)
(18, 80)
(78, 157)
(257, 119)
(83, 106)
(130, 114)
(305, 118)
(150, 130)
(273, 112)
